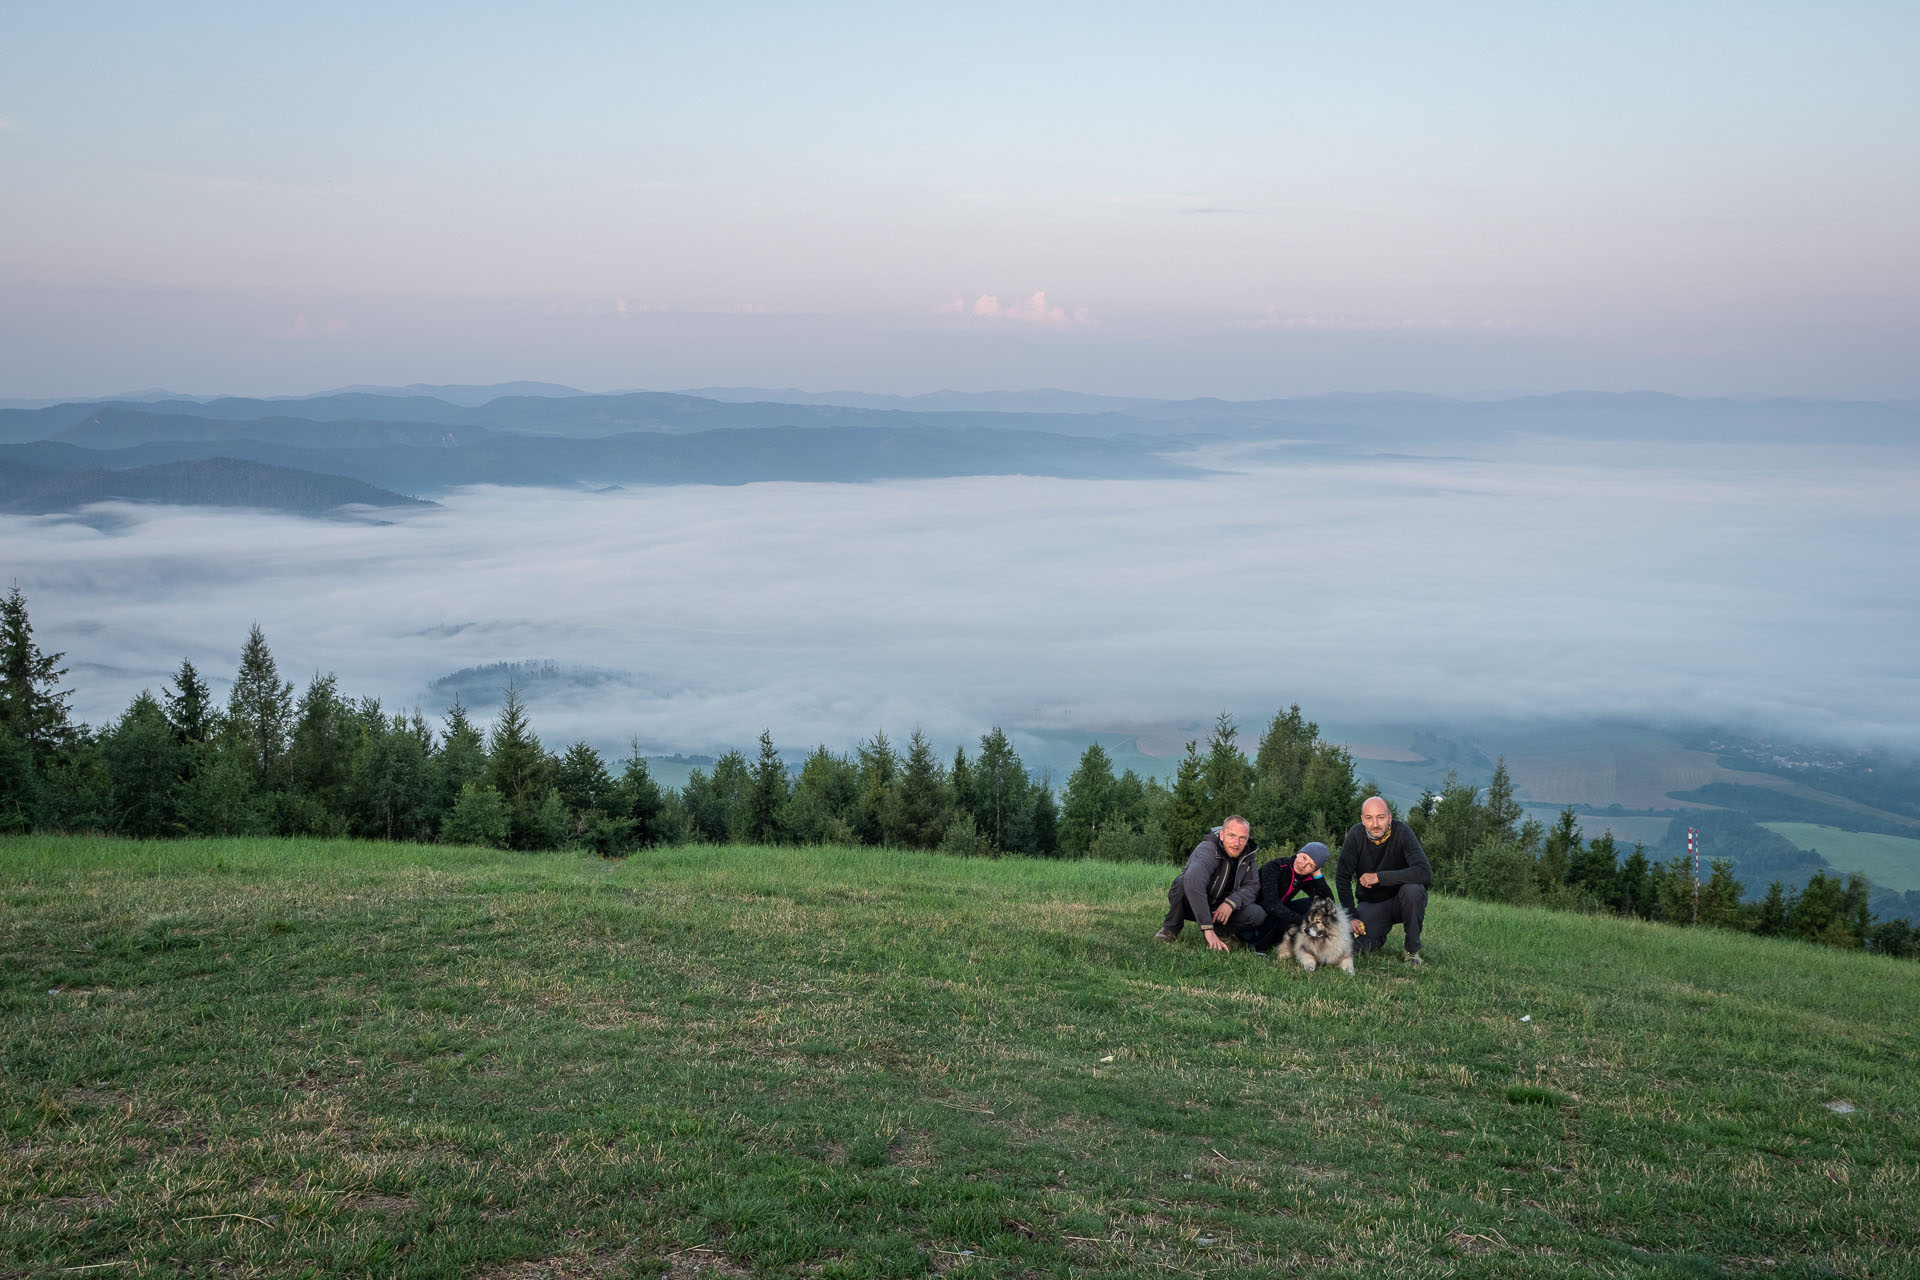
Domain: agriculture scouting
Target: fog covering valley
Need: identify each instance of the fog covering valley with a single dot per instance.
(1380, 560)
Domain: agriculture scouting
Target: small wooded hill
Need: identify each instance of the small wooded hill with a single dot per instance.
(218, 482)
(346, 1058)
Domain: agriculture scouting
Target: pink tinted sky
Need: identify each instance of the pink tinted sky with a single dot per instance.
(1237, 200)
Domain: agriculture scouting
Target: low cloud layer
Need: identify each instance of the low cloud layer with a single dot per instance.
(1542, 583)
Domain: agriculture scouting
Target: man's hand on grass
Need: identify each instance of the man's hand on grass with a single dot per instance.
(1216, 943)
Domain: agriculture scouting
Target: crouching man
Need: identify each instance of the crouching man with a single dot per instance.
(1384, 855)
(1286, 890)
(1218, 887)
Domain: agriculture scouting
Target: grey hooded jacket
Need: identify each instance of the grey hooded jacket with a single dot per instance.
(1212, 877)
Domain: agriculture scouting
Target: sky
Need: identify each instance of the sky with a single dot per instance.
(1761, 589)
(1240, 200)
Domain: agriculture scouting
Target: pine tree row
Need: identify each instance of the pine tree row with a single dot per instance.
(323, 764)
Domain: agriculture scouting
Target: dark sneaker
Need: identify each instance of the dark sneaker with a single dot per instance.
(1413, 958)
(1167, 935)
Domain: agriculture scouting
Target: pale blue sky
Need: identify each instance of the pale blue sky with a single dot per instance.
(1238, 200)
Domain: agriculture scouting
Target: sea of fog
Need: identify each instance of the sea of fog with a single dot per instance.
(1773, 588)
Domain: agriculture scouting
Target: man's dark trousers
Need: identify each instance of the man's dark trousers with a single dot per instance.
(1246, 921)
(1407, 908)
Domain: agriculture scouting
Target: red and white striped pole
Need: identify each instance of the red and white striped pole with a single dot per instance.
(1693, 852)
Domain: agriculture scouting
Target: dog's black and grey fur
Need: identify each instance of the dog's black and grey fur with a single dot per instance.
(1324, 937)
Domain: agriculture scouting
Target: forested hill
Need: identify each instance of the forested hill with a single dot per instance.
(219, 482)
(422, 459)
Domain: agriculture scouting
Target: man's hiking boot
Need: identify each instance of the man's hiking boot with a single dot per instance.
(1413, 958)
(1167, 935)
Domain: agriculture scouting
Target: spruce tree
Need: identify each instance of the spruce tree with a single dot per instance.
(821, 808)
(394, 793)
(1044, 824)
(731, 777)
(516, 763)
(1002, 795)
(641, 803)
(1279, 779)
(1855, 908)
(1131, 804)
(583, 781)
(918, 812)
(260, 713)
(1720, 897)
(19, 784)
(326, 734)
(147, 771)
(1503, 812)
(190, 706)
(1596, 871)
(478, 816)
(548, 825)
(1090, 803)
(462, 757)
(1633, 886)
(1186, 822)
(706, 817)
(1453, 829)
(1673, 891)
(878, 764)
(766, 796)
(1771, 919)
(1556, 853)
(1227, 775)
(33, 707)
(960, 780)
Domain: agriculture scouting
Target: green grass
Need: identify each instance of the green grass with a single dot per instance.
(1889, 862)
(280, 1058)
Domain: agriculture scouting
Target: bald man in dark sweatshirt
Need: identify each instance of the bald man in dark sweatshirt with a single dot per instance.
(1383, 855)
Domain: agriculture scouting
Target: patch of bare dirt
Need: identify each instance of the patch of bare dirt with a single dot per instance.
(70, 1206)
(1468, 1243)
(374, 1202)
(703, 1262)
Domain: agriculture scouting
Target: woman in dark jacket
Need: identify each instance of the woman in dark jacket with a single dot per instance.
(1285, 890)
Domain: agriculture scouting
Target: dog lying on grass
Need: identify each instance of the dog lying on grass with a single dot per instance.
(1324, 937)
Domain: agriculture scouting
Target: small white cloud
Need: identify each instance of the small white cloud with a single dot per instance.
(1034, 310)
(8, 124)
(308, 326)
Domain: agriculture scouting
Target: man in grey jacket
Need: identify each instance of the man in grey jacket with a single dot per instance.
(1218, 887)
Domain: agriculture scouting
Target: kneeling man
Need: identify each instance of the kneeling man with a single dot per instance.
(1384, 855)
(1218, 886)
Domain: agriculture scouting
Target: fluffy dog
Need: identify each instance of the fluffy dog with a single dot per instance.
(1324, 937)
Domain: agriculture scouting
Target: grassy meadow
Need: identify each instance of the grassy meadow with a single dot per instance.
(1890, 862)
(276, 1058)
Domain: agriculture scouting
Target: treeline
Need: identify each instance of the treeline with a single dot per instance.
(321, 763)
(1482, 846)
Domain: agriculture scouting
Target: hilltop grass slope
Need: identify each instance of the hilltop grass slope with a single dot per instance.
(285, 1058)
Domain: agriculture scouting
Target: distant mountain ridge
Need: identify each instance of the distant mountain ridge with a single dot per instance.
(430, 439)
(217, 482)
